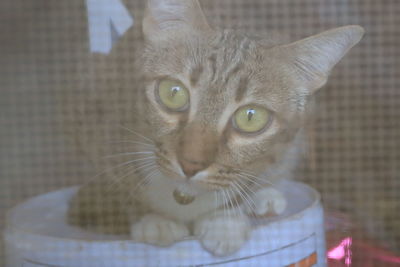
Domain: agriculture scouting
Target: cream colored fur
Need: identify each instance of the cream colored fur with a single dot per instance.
(223, 70)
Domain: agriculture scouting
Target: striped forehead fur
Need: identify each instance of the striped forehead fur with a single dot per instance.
(221, 68)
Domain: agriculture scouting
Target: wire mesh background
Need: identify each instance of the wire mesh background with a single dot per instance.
(357, 131)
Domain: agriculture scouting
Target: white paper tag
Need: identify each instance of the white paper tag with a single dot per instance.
(108, 20)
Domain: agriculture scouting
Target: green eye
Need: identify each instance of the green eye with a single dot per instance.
(251, 119)
(173, 95)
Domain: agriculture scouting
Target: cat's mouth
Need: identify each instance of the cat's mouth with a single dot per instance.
(183, 198)
(186, 192)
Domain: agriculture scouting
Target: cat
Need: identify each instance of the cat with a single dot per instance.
(215, 120)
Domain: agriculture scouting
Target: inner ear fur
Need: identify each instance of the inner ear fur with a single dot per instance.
(314, 57)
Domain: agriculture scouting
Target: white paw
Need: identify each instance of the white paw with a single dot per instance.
(267, 201)
(221, 235)
(157, 230)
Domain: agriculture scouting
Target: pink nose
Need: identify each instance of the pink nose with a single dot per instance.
(191, 167)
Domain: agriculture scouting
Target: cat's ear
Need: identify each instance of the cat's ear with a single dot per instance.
(314, 57)
(164, 19)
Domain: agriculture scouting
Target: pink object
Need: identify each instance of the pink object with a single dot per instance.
(342, 251)
(349, 246)
(357, 253)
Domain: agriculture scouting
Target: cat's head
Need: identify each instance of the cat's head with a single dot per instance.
(223, 107)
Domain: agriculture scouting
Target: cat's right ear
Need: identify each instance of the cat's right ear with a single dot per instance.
(165, 19)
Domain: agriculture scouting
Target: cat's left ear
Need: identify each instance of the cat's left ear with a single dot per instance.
(167, 19)
(314, 57)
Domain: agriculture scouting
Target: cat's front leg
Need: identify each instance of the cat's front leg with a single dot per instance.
(267, 201)
(223, 234)
(157, 230)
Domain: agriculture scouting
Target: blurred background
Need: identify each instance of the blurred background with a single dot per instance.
(355, 162)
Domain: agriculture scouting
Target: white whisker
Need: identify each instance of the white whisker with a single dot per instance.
(250, 180)
(132, 131)
(244, 195)
(125, 163)
(146, 179)
(131, 194)
(247, 185)
(117, 179)
(230, 201)
(129, 153)
(248, 191)
(225, 201)
(216, 201)
(257, 178)
(114, 167)
(237, 210)
(131, 142)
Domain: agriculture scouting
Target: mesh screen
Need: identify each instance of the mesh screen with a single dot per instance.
(355, 160)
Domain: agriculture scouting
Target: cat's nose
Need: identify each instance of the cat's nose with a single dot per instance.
(191, 167)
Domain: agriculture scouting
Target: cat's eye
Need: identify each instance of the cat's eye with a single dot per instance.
(173, 95)
(251, 119)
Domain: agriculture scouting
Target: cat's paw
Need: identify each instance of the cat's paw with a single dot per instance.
(157, 230)
(267, 201)
(222, 235)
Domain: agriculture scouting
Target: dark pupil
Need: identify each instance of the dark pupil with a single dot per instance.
(175, 90)
(250, 114)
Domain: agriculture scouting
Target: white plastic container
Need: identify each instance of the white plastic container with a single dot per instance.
(37, 235)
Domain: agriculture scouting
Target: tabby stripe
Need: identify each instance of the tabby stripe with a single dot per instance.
(195, 75)
(213, 62)
(242, 88)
